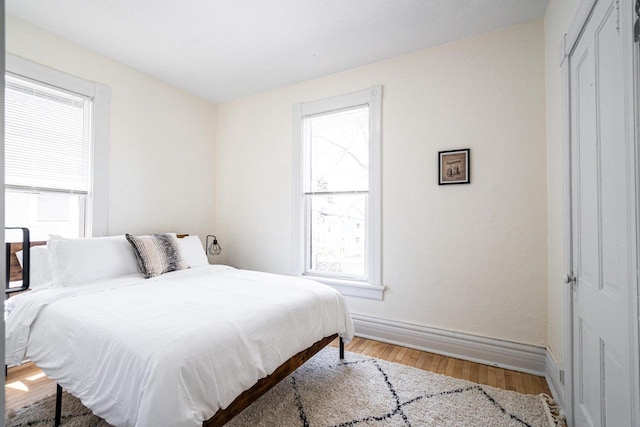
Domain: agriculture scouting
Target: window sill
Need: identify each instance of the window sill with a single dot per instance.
(351, 288)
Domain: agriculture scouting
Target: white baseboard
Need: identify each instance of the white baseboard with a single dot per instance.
(489, 351)
(504, 354)
(556, 385)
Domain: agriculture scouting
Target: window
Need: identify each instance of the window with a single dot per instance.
(55, 151)
(337, 192)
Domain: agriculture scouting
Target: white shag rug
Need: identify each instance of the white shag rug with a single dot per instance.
(359, 391)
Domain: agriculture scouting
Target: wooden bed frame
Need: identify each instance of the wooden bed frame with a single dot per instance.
(247, 397)
(267, 383)
(14, 265)
(241, 402)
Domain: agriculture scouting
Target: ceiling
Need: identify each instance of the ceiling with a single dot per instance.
(223, 50)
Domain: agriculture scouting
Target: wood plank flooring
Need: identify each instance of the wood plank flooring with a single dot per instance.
(27, 384)
(476, 372)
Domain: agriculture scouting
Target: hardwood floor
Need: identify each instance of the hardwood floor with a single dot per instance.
(476, 372)
(27, 384)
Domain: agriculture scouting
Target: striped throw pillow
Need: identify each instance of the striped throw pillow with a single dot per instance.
(157, 254)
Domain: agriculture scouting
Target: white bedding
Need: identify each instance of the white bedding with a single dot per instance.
(171, 350)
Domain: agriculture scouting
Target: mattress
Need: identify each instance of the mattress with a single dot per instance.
(174, 349)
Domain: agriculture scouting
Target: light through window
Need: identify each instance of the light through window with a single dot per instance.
(47, 158)
(336, 192)
(336, 147)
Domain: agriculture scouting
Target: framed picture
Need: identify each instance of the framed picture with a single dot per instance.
(454, 167)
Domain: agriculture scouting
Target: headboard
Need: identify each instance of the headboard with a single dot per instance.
(15, 271)
(14, 266)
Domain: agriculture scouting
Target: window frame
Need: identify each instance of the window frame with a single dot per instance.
(372, 287)
(96, 213)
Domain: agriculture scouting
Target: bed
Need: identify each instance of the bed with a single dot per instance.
(186, 348)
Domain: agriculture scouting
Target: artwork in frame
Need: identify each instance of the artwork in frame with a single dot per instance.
(454, 167)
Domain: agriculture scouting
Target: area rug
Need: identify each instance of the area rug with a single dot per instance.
(359, 391)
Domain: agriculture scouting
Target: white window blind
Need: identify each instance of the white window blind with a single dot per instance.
(47, 138)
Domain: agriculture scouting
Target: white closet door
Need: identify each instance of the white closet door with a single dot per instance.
(602, 156)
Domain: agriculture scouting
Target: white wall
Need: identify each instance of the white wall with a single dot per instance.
(557, 21)
(162, 140)
(470, 258)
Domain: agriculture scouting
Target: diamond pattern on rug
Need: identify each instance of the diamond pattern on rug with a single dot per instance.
(363, 391)
(360, 391)
(400, 410)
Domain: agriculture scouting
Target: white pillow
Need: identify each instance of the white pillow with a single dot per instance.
(77, 261)
(192, 251)
(40, 274)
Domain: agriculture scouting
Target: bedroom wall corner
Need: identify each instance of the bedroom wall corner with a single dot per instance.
(557, 21)
(465, 258)
(161, 144)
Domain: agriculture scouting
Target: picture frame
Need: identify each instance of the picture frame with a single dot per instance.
(454, 166)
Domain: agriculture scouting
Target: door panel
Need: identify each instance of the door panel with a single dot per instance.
(614, 370)
(589, 363)
(587, 253)
(613, 173)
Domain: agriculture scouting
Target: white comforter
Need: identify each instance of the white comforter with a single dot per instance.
(172, 350)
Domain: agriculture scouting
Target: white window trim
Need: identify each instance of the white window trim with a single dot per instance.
(100, 116)
(372, 289)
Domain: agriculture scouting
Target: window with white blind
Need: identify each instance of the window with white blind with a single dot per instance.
(55, 152)
(337, 192)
